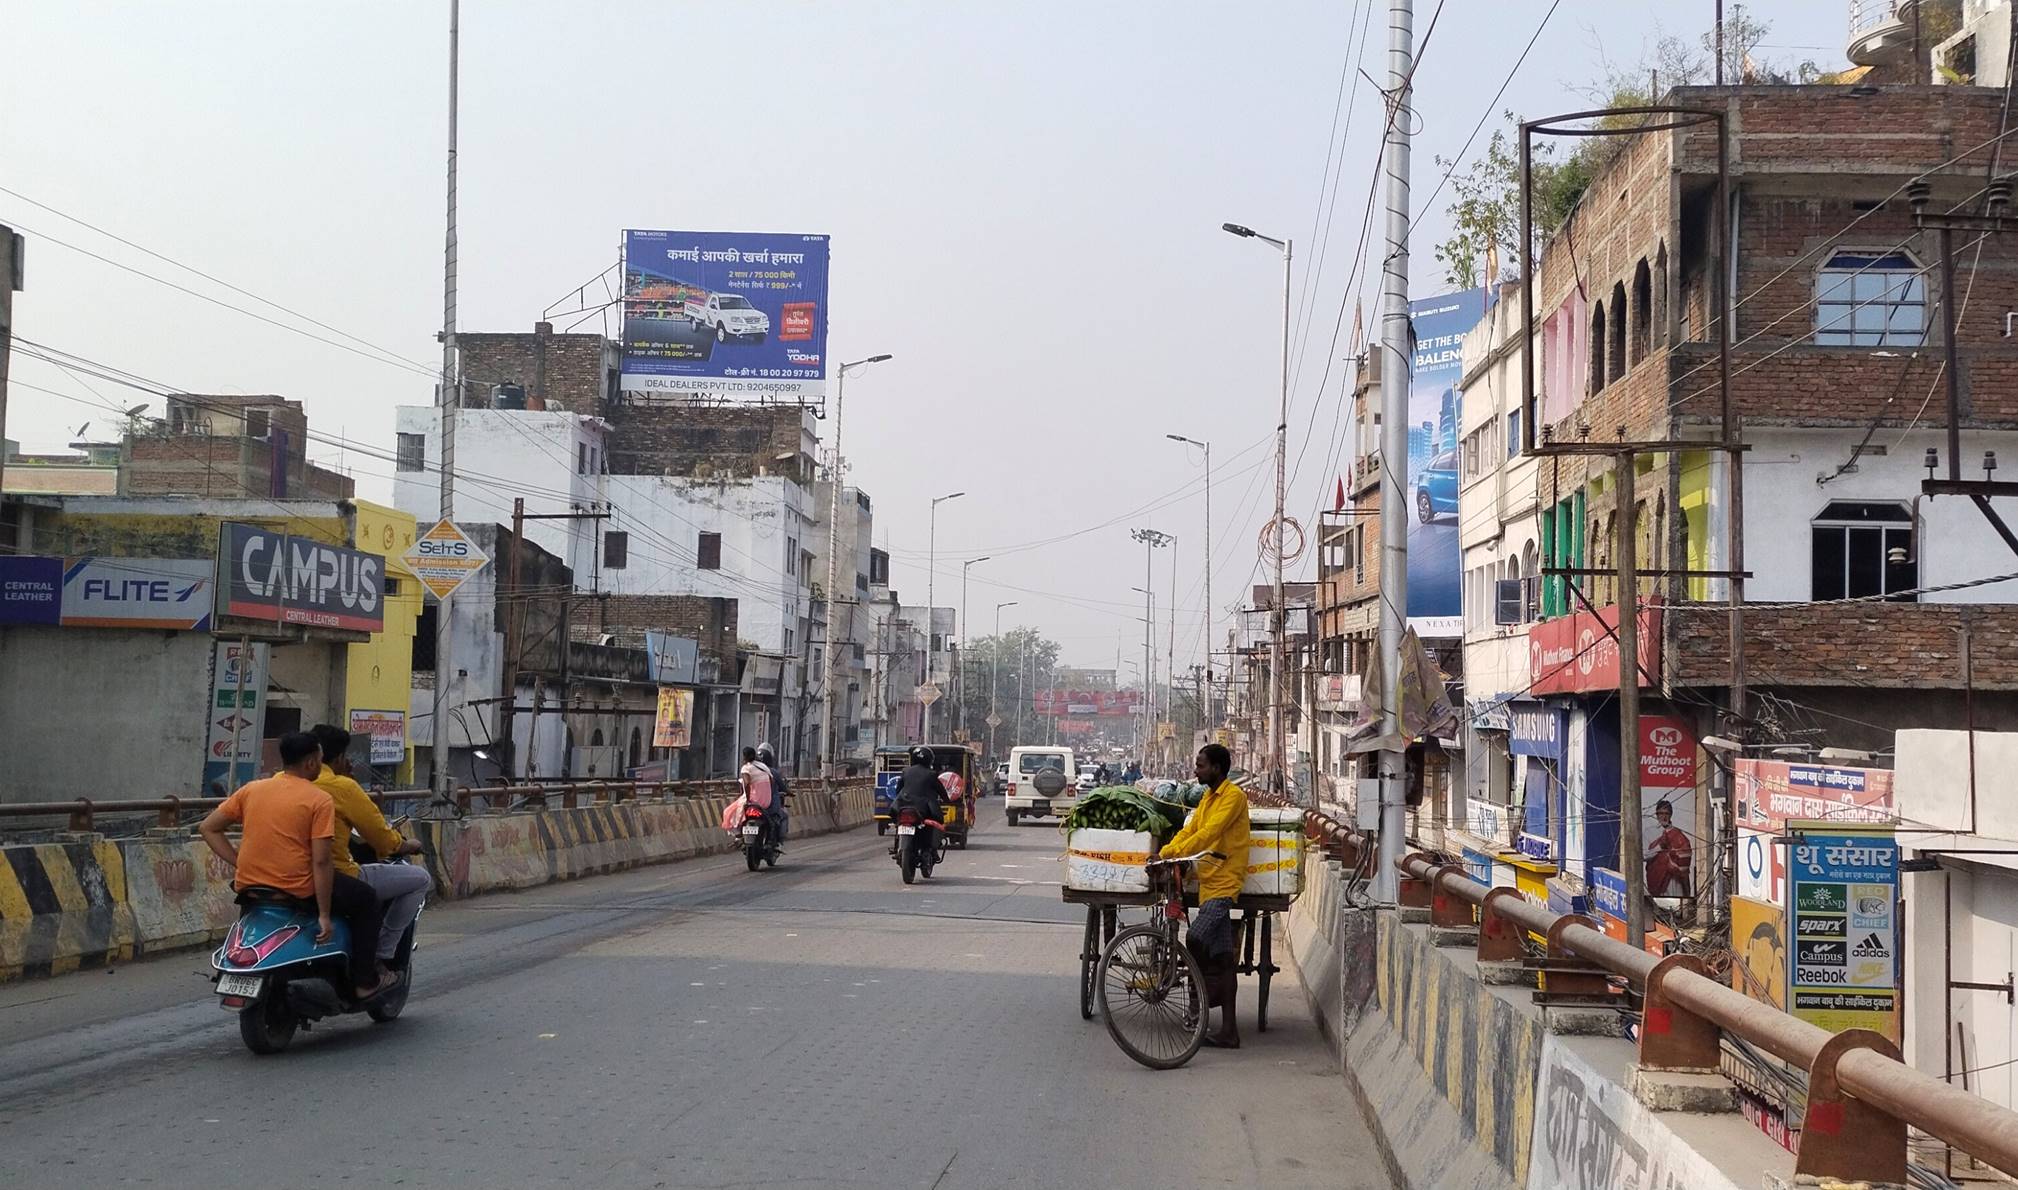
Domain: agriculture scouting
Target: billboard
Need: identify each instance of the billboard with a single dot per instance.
(1436, 365)
(1844, 969)
(1759, 940)
(264, 574)
(169, 593)
(727, 314)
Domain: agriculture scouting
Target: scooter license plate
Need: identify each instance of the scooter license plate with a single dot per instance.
(907, 830)
(239, 985)
(749, 832)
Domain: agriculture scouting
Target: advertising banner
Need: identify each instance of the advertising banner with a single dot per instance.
(1668, 795)
(1435, 579)
(237, 714)
(727, 314)
(672, 724)
(1759, 940)
(1843, 970)
(1580, 652)
(675, 660)
(31, 590)
(1537, 730)
(138, 593)
(264, 574)
(1762, 866)
(1772, 792)
(386, 732)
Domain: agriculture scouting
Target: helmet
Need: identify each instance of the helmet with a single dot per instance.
(765, 754)
(921, 756)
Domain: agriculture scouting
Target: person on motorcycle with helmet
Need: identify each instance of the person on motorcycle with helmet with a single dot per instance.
(779, 792)
(919, 790)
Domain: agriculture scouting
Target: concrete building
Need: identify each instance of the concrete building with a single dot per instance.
(228, 446)
(87, 469)
(1856, 619)
(169, 619)
(855, 635)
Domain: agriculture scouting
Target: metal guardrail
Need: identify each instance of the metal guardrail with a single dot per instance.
(1861, 1097)
(82, 813)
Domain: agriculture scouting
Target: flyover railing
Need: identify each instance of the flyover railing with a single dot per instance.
(1861, 1097)
(82, 814)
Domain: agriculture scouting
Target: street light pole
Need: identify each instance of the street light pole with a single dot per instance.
(834, 479)
(449, 398)
(1279, 757)
(1206, 712)
(995, 676)
(931, 580)
(960, 674)
(1152, 540)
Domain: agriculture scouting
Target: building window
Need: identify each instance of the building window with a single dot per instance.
(1513, 433)
(390, 585)
(1597, 345)
(1615, 355)
(616, 549)
(410, 453)
(1864, 549)
(708, 554)
(1871, 299)
(1643, 310)
(581, 458)
(792, 555)
(258, 423)
(791, 641)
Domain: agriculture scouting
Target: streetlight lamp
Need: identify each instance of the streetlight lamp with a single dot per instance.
(1278, 757)
(931, 580)
(834, 565)
(960, 674)
(995, 675)
(1206, 711)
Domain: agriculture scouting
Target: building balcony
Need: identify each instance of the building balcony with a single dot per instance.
(1881, 31)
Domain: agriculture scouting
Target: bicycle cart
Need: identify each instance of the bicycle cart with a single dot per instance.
(1257, 933)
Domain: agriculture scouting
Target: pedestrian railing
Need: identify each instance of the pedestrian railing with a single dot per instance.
(1861, 1097)
(82, 814)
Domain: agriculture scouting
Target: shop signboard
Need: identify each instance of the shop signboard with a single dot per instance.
(1843, 892)
(1536, 730)
(1477, 865)
(1608, 901)
(31, 590)
(1489, 821)
(171, 593)
(1579, 652)
(264, 574)
(1762, 866)
(726, 314)
(386, 731)
(1772, 792)
(675, 660)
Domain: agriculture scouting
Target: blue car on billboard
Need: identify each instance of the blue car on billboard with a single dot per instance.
(1436, 488)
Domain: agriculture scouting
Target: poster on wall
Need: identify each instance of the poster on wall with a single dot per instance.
(236, 714)
(672, 724)
(1668, 794)
(1435, 575)
(1759, 940)
(727, 314)
(1843, 970)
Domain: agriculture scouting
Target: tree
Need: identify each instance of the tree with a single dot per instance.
(1486, 210)
(1012, 666)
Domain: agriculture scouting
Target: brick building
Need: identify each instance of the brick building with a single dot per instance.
(539, 371)
(228, 446)
(1836, 374)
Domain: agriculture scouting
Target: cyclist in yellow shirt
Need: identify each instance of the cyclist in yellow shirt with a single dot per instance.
(1218, 824)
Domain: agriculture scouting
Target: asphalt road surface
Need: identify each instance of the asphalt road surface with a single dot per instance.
(688, 1025)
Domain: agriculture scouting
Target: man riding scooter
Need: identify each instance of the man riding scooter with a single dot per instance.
(780, 817)
(918, 789)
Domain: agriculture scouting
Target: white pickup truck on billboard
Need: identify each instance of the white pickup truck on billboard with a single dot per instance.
(731, 317)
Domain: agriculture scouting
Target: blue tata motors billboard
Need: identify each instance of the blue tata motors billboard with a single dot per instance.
(1435, 573)
(733, 314)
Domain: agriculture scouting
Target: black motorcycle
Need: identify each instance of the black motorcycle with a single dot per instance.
(759, 844)
(921, 844)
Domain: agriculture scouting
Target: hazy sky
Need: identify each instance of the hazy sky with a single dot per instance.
(1024, 201)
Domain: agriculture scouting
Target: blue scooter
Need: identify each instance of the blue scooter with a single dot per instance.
(277, 978)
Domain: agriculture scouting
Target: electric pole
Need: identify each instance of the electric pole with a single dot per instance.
(449, 398)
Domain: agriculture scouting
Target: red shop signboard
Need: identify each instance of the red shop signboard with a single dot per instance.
(1580, 652)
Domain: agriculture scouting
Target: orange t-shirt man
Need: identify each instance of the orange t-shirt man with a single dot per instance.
(274, 849)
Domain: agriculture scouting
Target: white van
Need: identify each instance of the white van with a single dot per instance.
(1041, 781)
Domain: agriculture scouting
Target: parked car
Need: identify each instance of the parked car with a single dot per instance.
(1436, 488)
(731, 317)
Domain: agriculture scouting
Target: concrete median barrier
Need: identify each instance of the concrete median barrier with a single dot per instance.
(87, 901)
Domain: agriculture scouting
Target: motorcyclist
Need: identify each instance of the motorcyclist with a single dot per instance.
(919, 790)
(780, 818)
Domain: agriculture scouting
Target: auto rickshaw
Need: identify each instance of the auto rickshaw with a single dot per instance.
(890, 766)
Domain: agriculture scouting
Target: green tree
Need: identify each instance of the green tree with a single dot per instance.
(1011, 666)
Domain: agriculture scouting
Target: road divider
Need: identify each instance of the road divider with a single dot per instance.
(87, 901)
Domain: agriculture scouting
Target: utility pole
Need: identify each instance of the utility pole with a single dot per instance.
(450, 397)
(1151, 540)
(932, 640)
(995, 678)
(960, 673)
(1170, 644)
(1632, 858)
(1394, 372)
(828, 746)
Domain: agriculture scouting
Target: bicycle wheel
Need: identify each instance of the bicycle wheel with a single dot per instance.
(1152, 997)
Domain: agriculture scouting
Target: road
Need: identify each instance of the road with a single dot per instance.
(689, 1025)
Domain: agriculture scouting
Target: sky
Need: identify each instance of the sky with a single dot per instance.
(1024, 200)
